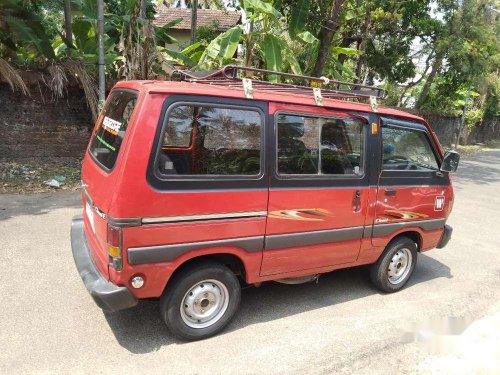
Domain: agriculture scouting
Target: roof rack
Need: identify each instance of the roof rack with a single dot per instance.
(252, 78)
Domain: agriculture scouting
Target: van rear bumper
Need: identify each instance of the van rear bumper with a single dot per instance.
(106, 295)
(448, 230)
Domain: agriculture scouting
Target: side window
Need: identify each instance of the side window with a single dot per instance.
(110, 131)
(407, 149)
(211, 140)
(319, 146)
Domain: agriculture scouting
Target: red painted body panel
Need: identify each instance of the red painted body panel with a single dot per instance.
(337, 211)
(409, 204)
(125, 193)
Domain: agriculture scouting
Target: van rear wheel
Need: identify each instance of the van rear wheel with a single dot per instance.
(395, 266)
(201, 301)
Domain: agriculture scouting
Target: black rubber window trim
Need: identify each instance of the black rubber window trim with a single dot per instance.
(162, 182)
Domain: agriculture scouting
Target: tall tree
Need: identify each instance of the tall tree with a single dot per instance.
(327, 32)
(68, 32)
(194, 20)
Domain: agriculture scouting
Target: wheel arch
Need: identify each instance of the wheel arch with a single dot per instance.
(413, 235)
(230, 260)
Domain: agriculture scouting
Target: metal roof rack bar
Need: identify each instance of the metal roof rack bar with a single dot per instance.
(232, 76)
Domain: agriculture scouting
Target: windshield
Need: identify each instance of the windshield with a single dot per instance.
(113, 124)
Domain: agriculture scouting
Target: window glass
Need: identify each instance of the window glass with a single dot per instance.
(206, 140)
(113, 124)
(319, 146)
(407, 149)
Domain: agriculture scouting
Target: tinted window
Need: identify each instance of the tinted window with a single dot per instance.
(407, 149)
(206, 140)
(320, 146)
(113, 124)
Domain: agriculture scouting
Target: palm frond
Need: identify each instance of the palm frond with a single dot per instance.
(56, 80)
(10, 75)
(79, 71)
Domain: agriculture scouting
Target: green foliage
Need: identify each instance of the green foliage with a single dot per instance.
(271, 48)
(23, 30)
(298, 18)
(374, 41)
(267, 43)
(206, 34)
(222, 48)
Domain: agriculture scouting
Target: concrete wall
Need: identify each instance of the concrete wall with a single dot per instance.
(447, 127)
(35, 126)
(488, 130)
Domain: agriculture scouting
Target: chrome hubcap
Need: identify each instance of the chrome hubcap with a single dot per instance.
(204, 304)
(400, 266)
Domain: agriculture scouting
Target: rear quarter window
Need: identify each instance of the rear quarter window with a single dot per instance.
(112, 126)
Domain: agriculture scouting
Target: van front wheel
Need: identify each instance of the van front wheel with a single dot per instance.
(395, 266)
(200, 301)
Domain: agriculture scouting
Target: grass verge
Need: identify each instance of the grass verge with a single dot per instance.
(31, 175)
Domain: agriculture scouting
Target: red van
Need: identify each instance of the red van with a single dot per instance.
(194, 187)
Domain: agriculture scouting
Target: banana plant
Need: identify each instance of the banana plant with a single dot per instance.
(22, 30)
(265, 41)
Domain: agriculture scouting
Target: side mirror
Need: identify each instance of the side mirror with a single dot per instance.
(450, 161)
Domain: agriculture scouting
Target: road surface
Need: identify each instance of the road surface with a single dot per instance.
(445, 320)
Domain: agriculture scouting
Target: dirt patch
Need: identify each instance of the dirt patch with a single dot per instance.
(471, 150)
(34, 175)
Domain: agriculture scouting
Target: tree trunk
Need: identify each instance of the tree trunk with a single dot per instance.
(362, 44)
(67, 24)
(146, 45)
(100, 48)
(346, 42)
(142, 10)
(194, 17)
(326, 37)
(436, 66)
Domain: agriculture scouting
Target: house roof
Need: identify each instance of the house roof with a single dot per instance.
(221, 19)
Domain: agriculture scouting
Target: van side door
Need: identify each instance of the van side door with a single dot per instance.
(206, 187)
(318, 197)
(412, 192)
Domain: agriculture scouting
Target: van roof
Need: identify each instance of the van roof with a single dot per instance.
(194, 88)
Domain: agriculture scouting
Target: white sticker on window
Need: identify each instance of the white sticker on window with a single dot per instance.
(111, 125)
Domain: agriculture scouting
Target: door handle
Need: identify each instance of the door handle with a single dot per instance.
(357, 200)
(390, 192)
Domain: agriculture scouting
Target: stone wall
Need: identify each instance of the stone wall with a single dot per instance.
(36, 126)
(488, 130)
(447, 127)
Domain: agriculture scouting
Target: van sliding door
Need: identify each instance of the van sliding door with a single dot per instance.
(318, 196)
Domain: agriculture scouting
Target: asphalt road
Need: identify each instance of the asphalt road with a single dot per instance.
(48, 322)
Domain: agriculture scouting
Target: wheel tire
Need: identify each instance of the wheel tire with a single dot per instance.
(385, 275)
(208, 275)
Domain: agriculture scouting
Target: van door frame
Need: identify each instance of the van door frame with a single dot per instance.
(367, 181)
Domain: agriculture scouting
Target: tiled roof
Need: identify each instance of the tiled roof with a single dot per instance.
(222, 19)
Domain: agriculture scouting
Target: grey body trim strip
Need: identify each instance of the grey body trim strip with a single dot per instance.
(368, 230)
(281, 241)
(226, 215)
(167, 253)
(137, 221)
(383, 230)
(125, 222)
